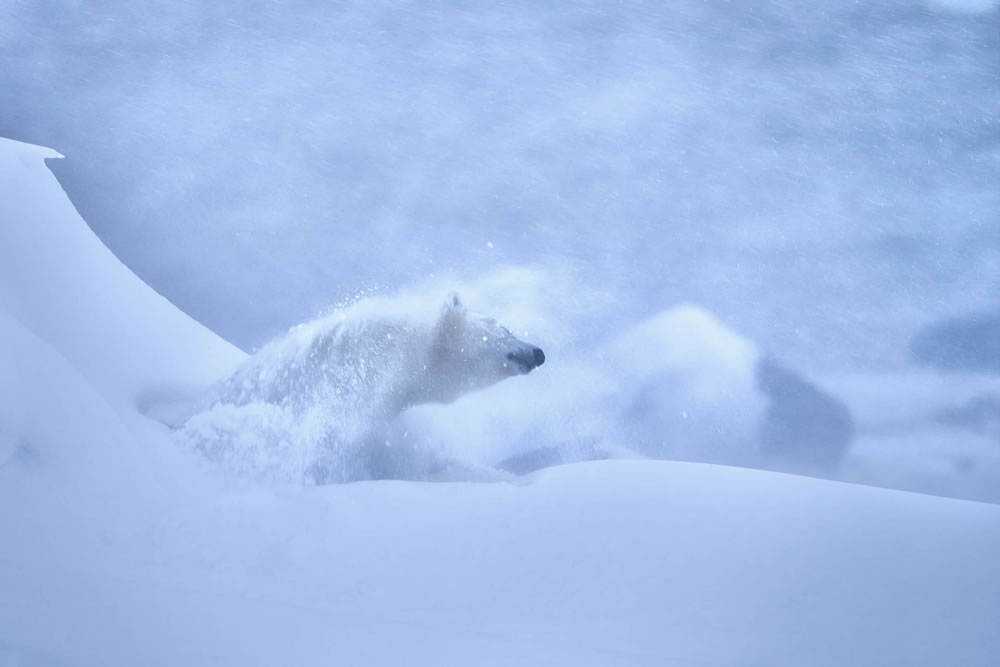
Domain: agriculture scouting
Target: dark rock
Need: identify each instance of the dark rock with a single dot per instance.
(803, 425)
(980, 415)
(969, 343)
(531, 460)
(547, 457)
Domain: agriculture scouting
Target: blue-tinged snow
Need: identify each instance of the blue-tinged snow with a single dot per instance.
(122, 336)
(117, 547)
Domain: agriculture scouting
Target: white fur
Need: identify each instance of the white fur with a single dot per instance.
(315, 402)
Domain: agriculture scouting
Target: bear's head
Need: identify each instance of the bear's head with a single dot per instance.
(470, 352)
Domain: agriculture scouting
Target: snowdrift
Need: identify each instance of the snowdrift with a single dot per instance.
(119, 548)
(62, 284)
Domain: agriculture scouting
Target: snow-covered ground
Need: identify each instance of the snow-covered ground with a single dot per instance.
(120, 547)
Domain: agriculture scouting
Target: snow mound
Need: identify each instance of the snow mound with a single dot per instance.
(123, 336)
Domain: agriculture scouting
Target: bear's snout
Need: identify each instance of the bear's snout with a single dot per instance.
(527, 359)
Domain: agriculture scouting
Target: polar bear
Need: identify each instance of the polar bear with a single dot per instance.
(314, 401)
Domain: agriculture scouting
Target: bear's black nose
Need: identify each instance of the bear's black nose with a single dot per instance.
(527, 358)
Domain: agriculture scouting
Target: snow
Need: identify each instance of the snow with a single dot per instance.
(53, 270)
(974, 7)
(118, 547)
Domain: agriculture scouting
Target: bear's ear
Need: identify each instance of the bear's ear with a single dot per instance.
(449, 327)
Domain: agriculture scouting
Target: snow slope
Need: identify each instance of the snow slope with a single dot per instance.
(62, 284)
(600, 563)
(119, 548)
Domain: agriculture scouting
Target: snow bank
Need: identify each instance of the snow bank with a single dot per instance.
(66, 287)
(120, 549)
(598, 564)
